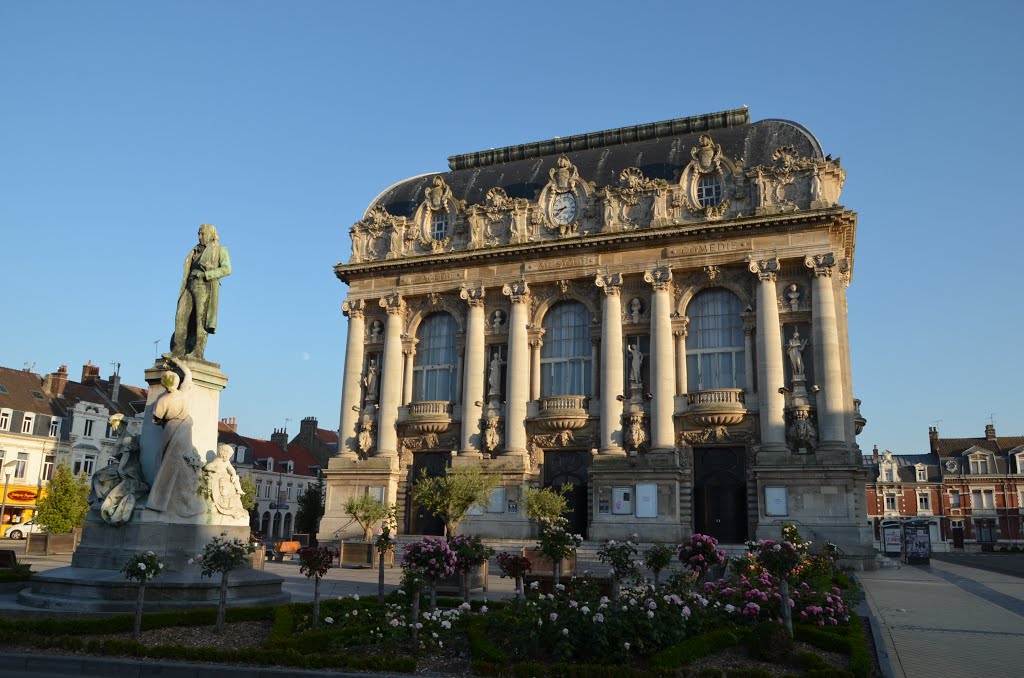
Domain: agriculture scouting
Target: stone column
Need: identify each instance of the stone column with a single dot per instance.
(662, 369)
(351, 385)
(517, 390)
(748, 355)
(409, 351)
(679, 331)
(473, 372)
(536, 343)
(829, 366)
(771, 402)
(391, 376)
(611, 364)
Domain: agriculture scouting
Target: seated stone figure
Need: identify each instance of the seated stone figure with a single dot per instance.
(120, 485)
(223, 485)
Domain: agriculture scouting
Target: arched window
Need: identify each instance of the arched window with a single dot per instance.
(714, 343)
(433, 372)
(565, 355)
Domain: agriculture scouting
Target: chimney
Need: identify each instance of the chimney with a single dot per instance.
(933, 439)
(90, 373)
(990, 431)
(231, 423)
(55, 382)
(307, 433)
(874, 455)
(280, 438)
(115, 387)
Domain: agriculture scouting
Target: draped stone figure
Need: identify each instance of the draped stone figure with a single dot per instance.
(198, 299)
(222, 484)
(175, 486)
(794, 349)
(119, 486)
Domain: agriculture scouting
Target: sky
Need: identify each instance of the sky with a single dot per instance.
(125, 125)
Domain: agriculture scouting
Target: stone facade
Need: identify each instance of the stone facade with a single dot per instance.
(654, 314)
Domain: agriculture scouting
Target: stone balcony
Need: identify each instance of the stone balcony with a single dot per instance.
(716, 407)
(429, 416)
(562, 413)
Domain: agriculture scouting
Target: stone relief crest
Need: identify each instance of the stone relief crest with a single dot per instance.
(707, 154)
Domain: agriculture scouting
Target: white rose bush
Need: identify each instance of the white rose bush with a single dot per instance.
(141, 567)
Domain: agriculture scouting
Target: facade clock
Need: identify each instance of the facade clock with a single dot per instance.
(563, 208)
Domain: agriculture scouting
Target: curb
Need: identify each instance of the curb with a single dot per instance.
(23, 663)
(866, 608)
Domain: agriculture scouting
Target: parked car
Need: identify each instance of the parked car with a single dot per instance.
(19, 530)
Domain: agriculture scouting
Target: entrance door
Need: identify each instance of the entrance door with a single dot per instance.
(958, 536)
(570, 467)
(720, 493)
(423, 520)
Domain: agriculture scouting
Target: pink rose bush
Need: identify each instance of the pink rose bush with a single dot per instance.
(431, 557)
(700, 553)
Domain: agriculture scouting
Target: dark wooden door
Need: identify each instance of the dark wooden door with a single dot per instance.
(564, 467)
(958, 537)
(421, 519)
(720, 494)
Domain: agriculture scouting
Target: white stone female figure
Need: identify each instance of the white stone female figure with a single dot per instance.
(494, 377)
(174, 488)
(637, 359)
(794, 347)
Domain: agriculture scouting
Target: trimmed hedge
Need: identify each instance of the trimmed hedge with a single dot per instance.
(847, 640)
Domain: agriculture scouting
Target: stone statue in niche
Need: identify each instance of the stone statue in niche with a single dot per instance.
(494, 375)
(397, 247)
(365, 437)
(794, 349)
(764, 188)
(198, 298)
(120, 485)
(815, 186)
(492, 435)
(376, 331)
(174, 490)
(635, 309)
(636, 361)
(370, 380)
(793, 297)
(498, 320)
(223, 486)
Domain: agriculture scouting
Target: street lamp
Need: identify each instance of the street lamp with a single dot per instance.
(7, 480)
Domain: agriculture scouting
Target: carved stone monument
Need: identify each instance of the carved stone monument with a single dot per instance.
(172, 489)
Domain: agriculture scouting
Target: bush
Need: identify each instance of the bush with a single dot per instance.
(696, 647)
(770, 642)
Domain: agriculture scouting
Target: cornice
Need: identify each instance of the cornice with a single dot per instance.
(833, 218)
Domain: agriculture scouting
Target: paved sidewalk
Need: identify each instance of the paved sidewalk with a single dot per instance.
(948, 620)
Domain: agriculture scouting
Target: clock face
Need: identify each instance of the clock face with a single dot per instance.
(563, 208)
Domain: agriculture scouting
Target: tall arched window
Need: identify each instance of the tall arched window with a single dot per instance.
(433, 371)
(565, 356)
(714, 343)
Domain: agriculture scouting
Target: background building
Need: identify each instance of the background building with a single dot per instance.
(654, 314)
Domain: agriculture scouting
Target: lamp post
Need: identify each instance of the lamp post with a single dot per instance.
(7, 480)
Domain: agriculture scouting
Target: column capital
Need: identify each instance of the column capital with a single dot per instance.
(473, 296)
(517, 291)
(610, 283)
(766, 270)
(659, 277)
(680, 325)
(353, 308)
(393, 303)
(822, 265)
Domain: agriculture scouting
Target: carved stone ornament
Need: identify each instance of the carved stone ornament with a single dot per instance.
(426, 441)
(492, 434)
(659, 277)
(707, 154)
(715, 434)
(794, 298)
(564, 175)
(712, 272)
(353, 308)
(766, 270)
(820, 264)
(393, 303)
(609, 283)
(559, 439)
(801, 433)
(365, 439)
(438, 196)
(636, 311)
(636, 435)
(473, 296)
(517, 291)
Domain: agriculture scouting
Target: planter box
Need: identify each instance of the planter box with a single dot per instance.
(257, 558)
(452, 586)
(542, 564)
(362, 554)
(46, 544)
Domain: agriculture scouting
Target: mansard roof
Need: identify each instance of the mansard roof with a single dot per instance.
(954, 447)
(19, 393)
(661, 150)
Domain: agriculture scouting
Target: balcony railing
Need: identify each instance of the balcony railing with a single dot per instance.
(429, 416)
(716, 407)
(563, 413)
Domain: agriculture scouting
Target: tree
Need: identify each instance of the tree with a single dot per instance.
(65, 504)
(366, 510)
(315, 562)
(142, 567)
(249, 501)
(311, 508)
(546, 503)
(222, 555)
(452, 495)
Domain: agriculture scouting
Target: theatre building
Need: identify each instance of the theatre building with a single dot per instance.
(655, 314)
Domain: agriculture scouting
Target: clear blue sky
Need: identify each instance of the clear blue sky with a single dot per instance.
(124, 125)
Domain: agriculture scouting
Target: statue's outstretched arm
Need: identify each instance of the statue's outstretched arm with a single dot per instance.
(186, 374)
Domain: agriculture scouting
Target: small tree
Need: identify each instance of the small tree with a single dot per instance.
(385, 542)
(657, 558)
(314, 562)
(141, 567)
(516, 567)
(779, 559)
(470, 553)
(311, 508)
(65, 504)
(546, 502)
(619, 556)
(433, 559)
(222, 555)
(452, 495)
(557, 543)
(366, 510)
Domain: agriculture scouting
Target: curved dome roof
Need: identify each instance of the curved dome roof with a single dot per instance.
(659, 150)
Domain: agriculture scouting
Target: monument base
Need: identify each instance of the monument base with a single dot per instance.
(94, 581)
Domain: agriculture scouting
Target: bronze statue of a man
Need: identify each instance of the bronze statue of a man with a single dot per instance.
(196, 317)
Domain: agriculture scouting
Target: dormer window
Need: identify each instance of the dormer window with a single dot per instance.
(27, 422)
(922, 474)
(439, 226)
(5, 420)
(54, 426)
(887, 474)
(979, 466)
(270, 464)
(709, 191)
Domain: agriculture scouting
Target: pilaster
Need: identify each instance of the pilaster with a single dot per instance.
(663, 374)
